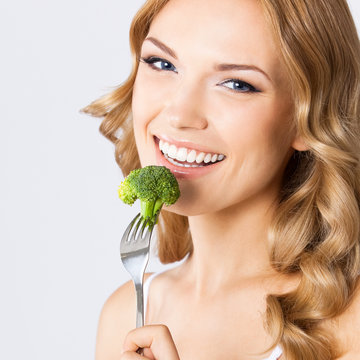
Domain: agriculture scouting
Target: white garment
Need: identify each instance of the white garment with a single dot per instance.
(274, 355)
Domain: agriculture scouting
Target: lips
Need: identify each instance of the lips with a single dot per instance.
(187, 157)
(186, 169)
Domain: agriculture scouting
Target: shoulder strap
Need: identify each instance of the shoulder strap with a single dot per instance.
(275, 354)
(146, 290)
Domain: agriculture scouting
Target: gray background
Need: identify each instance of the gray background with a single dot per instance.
(61, 220)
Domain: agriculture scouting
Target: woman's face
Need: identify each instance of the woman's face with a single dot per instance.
(211, 93)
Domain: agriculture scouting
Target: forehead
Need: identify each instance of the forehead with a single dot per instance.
(232, 29)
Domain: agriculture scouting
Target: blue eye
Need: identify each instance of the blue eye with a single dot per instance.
(159, 64)
(239, 86)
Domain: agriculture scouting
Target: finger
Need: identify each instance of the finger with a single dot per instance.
(157, 338)
(131, 355)
(148, 354)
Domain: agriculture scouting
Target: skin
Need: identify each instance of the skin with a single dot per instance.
(194, 102)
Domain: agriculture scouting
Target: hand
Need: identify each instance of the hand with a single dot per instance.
(156, 341)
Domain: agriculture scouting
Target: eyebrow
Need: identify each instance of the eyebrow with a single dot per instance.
(162, 46)
(218, 67)
(229, 67)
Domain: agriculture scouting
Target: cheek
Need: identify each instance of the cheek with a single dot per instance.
(262, 128)
(140, 105)
(259, 139)
(140, 118)
(149, 94)
(147, 102)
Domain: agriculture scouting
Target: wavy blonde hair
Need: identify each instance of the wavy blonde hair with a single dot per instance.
(316, 231)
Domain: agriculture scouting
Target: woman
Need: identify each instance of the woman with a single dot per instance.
(254, 106)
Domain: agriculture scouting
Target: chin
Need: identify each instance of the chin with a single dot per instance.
(179, 208)
(187, 207)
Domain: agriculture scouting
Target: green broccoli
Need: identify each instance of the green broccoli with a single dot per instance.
(154, 186)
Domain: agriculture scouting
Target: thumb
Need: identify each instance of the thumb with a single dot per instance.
(157, 338)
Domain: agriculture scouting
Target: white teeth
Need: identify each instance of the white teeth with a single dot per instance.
(191, 156)
(207, 158)
(172, 151)
(181, 164)
(200, 157)
(186, 155)
(181, 154)
(165, 148)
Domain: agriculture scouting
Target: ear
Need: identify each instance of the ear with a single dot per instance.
(299, 144)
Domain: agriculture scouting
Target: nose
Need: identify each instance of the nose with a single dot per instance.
(186, 108)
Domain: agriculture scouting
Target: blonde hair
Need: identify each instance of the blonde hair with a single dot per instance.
(316, 229)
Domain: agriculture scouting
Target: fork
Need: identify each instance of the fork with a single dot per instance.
(134, 253)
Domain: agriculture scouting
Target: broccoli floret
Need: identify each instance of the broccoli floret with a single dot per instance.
(153, 186)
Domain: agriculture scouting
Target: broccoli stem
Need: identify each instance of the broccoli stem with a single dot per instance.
(150, 208)
(158, 205)
(147, 209)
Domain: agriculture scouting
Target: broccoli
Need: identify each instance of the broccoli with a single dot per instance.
(154, 186)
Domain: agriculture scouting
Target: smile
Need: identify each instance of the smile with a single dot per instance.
(188, 157)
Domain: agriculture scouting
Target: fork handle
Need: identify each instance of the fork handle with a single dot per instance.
(139, 305)
(139, 310)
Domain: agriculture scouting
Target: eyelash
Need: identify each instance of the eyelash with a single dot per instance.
(153, 59)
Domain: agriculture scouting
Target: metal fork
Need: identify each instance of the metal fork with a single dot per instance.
(134, 253)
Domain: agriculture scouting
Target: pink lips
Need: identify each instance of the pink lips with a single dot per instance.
(179, 171)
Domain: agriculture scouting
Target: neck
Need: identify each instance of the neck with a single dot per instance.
(230, 245)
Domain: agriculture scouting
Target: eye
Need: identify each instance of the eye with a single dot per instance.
(159, 64)
(239, 86)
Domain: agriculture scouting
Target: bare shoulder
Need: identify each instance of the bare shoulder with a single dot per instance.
(117, 318)
(346, 329)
